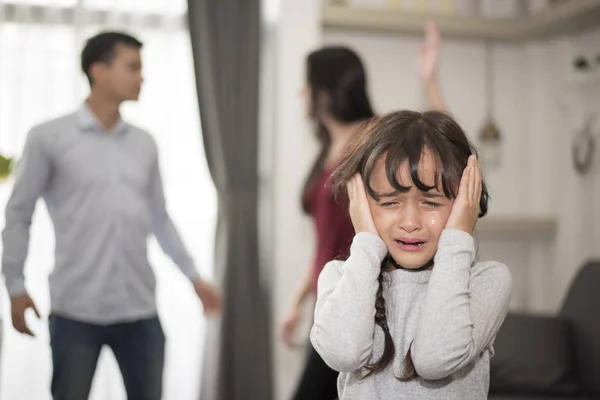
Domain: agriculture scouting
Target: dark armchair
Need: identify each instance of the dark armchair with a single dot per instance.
(552, 357)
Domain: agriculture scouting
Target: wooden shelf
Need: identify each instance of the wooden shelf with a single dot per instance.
(568, 17)
(531, 226)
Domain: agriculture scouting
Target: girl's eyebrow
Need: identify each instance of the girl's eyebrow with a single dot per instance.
(388, 195)
(394, 193)
(432, 195)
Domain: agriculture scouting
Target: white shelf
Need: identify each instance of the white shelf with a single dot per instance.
(531, 226)
(567, 17)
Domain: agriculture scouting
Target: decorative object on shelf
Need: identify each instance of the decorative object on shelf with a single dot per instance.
(490, 138)
(583, 147)
(6, 167)
(490, 144)
(581, 64)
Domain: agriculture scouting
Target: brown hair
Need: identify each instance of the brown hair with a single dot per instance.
(337, 72)
(399, 137)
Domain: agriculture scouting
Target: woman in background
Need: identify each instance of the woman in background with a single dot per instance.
(336, 100)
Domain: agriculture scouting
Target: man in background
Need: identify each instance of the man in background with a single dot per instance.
(100, 179)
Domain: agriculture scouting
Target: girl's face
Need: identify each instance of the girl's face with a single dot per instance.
(409, 223)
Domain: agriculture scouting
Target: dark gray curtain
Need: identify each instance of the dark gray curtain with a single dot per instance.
(225, 41)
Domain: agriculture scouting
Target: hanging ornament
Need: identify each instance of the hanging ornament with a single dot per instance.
(583, 147)
(490, 138)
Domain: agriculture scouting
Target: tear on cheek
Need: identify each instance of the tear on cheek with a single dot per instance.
(433, 219)
(436, 220)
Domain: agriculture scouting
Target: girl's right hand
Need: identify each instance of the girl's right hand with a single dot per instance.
(359, 209)
(289, 327)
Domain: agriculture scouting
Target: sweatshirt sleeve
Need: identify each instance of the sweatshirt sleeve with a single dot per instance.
(344, 321)
(462, 310)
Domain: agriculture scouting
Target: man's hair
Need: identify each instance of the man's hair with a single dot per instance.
(101, 48)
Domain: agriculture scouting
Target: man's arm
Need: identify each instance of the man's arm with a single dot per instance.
(32, 176)
(163, 228)
(169, 240)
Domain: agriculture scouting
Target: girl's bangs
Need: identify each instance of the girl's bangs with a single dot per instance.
(413, 150)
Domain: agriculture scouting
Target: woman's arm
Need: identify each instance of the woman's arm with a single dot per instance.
(344, 321)
(305, 289)
(428, 64)
(463, 309)
(434, 95)
(290, 324)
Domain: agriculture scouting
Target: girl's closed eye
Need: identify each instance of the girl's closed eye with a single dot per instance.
(432, 204)
(389, 203)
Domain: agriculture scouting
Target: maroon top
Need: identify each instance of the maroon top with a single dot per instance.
(333, 227)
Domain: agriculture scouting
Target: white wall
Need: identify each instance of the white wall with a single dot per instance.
(577, 198)
(535, 176)
(298, 32)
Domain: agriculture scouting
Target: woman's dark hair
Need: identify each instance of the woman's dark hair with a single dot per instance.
(338, 84)
(396, 138)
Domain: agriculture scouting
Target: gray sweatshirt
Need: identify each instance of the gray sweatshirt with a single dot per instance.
(449, 315)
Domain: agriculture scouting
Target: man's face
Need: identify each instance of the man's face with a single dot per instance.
(121, 78)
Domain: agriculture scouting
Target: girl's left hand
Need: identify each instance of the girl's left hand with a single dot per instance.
(465, 210)
(429, 53)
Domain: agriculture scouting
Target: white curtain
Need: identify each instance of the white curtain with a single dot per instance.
(40, 78)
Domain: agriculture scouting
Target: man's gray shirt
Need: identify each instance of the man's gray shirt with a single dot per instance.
(104, 194)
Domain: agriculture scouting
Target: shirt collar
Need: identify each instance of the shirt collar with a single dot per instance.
(87, 121)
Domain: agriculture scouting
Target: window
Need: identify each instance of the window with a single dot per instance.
(40, 43)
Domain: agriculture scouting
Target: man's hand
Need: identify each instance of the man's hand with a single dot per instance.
(18, 306)
(209, 296)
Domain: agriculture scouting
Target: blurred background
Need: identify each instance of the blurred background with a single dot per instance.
(529, 67)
